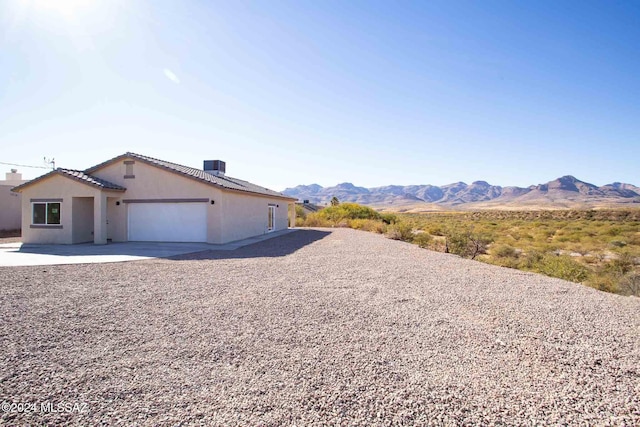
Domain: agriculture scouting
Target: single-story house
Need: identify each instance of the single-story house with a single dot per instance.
(10, 214)
(138, 198)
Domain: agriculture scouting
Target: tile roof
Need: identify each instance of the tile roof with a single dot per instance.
(92, 180)
(78, 176)
(226, 182)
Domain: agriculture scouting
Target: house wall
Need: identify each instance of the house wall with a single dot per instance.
(233, 216)
(247, 216)
(149, 183)
(10, 206)
(54, 187)
(82, 219)
(65, 189)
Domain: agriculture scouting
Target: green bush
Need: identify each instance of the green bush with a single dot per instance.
(315, 220)
(466, 243)
(389, 218)
(346, 211)
(423, 240)
(562, 267)
(400, 231)
(621, 265)
(300, 212)
(368, 225)
(435, 229)
(606, 282)
(618, 243)
(503, 251)
(630, 285)
(531, 258)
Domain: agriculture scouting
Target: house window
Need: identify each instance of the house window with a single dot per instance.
(46, 213)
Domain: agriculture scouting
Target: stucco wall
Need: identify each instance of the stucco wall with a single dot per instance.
(10, 205)
(153, 183)
(82, 217)
(233, 216)
(246, 216)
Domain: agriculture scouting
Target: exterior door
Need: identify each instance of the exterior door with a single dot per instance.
(271, 225)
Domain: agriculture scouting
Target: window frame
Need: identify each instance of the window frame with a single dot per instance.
(46, 214)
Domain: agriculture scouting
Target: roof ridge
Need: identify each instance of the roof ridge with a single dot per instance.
(222, 181)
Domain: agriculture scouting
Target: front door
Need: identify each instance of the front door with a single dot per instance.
(272, 218)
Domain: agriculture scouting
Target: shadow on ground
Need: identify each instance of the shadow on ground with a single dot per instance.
(278, 247)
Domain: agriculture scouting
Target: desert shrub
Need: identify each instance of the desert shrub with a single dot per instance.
(503, 251)
(531, 258)
(466, 243)
(345, 211)
(621, 265)
(635, 239)
(300, 212)
(438, 244)
(509, 262)
(434, 229)
(315, 220)
(618, 243)
(423, 240)
(630, 285)
(389, 218)
(606, 282)
(614, 231)
(400, 231)
(368, 225)
(562, 267)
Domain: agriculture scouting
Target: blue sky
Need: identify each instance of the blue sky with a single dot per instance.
(287, 93)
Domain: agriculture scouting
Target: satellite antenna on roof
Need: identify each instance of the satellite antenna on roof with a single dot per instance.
(51, 162)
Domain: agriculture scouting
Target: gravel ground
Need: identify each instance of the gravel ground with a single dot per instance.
(318, 327)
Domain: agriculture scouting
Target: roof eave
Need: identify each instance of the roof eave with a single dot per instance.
(21, 187)
(253, 193)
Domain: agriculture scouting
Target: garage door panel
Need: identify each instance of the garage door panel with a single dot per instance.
(168, 222)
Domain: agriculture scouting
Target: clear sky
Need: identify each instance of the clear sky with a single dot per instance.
(287, 93)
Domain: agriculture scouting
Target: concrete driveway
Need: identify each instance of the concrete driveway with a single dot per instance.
(18, 254)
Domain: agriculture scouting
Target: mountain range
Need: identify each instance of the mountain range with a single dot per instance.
(562, 193)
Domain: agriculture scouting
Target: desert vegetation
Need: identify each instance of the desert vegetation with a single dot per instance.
(599, 248)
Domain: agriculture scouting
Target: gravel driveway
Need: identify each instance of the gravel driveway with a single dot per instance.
(313, 328)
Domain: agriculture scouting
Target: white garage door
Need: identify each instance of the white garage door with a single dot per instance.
(168, 222)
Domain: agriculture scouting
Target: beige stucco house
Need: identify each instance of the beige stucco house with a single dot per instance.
(138, 198)
(10, 202)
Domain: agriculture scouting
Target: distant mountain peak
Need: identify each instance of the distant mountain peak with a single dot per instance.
(561, 192)
(345, 185)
